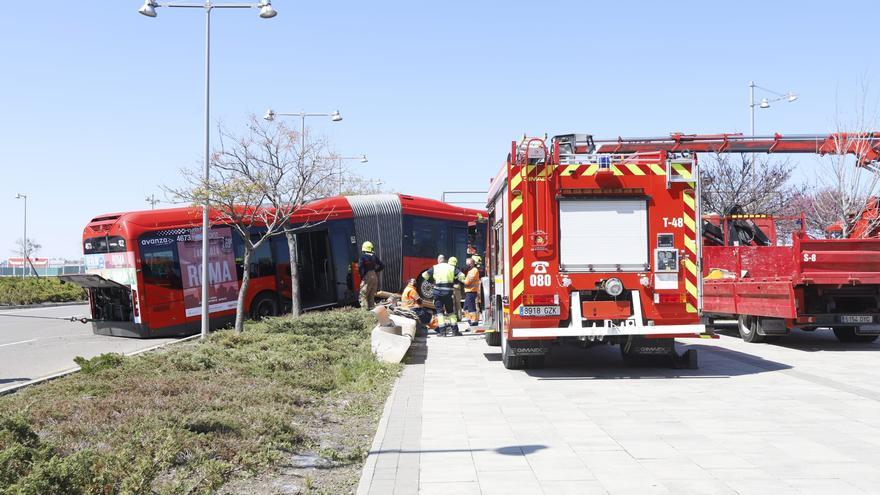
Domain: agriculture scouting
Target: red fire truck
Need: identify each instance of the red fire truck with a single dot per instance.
(143, 268)
(593, 248)
(772, 284)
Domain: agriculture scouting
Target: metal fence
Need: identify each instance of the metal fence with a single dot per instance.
(52, 269)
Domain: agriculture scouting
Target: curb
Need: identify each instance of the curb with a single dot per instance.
(43, 305)
(370, 464)
(60, 374)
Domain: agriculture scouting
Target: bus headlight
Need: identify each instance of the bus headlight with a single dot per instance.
(613, 286)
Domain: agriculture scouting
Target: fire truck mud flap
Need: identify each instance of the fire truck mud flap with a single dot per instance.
(527, 348)
(640, 351)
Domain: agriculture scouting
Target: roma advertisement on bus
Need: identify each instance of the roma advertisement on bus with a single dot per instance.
(222, 276)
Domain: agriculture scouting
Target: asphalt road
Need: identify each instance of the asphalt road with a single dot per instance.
(31, 348)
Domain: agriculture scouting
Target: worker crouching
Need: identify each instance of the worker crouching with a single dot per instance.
(471, 289)
(444, 275)
(369, 265)
(412, 301)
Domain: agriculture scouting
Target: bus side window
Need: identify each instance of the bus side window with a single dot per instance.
(262, 262)
(428, 238)
(159, 267)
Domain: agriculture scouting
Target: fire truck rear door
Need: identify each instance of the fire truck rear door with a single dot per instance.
(603, 235)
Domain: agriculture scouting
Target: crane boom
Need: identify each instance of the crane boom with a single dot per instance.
(865, 146)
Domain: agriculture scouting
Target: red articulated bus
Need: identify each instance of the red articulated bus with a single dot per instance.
(143, 268)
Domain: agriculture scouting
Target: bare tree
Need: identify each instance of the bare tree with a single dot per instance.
(346, 182)
(755, 183)
(259, 181)
(846, 188)
(32, 248)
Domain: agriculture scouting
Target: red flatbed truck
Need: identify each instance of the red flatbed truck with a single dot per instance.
(772, 287)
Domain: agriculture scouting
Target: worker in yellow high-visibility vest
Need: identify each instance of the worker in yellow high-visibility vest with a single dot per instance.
(444, 275)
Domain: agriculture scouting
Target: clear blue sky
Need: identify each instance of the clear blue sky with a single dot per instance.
(100, 106)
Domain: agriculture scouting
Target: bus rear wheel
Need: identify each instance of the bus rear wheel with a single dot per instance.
(848, 335)
(264, 305)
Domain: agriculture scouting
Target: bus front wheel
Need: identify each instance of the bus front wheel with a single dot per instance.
(264, 306)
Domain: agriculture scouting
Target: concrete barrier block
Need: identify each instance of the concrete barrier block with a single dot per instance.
(389, 347)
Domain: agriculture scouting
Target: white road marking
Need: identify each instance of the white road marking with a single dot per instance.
(19, 342)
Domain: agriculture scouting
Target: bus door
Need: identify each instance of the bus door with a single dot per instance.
(459, 245)
(317, 284)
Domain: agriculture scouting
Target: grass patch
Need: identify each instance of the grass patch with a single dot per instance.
(195, 417)
(33, 290)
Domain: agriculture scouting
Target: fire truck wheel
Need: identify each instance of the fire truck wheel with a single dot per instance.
(848, 335)
(510, 361)
(748, 329)
(263, 306)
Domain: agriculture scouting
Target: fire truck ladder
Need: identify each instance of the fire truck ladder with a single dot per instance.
(865, 146)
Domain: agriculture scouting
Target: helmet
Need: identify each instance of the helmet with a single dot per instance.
(367, 247)
(477, 259)
(453, 261)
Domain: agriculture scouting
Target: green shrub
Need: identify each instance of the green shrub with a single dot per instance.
(192, 417)
(33, 290)
(100, 362)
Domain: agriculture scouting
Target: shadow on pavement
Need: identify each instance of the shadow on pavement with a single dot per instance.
(509, 450)
(604, 362)
(814, 341)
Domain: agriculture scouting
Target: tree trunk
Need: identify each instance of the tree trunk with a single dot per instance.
(242, 292)
(295, 306)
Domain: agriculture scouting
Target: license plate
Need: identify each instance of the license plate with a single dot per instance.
(856, 319)
(539, 310)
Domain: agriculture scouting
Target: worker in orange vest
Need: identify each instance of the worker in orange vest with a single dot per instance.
(471, 289)
(412, 301)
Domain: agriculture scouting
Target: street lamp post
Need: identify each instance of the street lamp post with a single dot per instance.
(340, 159)
(24, 242)
(765, 103)
(266, 12)
(152, 200)
(335, 116)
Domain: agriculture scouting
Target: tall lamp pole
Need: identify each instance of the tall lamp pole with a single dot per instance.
(266, 12)
(24, 242)
(765, 103)
(340, 159)
(335, 116)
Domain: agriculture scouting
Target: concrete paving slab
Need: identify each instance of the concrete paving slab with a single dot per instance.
(790, 418)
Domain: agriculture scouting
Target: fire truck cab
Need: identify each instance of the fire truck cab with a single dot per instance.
(593, 248)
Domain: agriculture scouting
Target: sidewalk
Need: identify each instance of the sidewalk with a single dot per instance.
(459, 423)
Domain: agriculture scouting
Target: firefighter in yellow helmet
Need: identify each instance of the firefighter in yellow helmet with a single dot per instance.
(443, 275)
(369, 265)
